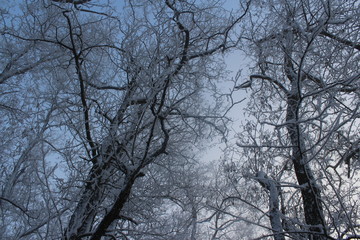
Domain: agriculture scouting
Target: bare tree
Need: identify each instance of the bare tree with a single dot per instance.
(303, 111)
(113, 93)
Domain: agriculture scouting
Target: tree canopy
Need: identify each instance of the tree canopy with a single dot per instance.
(106, 106)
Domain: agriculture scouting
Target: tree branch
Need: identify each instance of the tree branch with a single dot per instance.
(75, 2)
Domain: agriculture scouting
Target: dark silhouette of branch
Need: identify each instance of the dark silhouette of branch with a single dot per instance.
(76, 2)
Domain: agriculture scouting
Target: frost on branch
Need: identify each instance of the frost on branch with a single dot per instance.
(275, 215)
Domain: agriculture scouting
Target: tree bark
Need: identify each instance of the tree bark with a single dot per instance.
(114, 212)
(310, 191)
(82, 219)
(275, 218)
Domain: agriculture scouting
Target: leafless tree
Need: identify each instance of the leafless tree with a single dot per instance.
(95, 95)
(302, 132)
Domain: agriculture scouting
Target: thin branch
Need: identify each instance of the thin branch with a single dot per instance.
(75, 2)
(341, 40)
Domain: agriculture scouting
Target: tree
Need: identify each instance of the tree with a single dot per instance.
(302, 132)
(93, 97)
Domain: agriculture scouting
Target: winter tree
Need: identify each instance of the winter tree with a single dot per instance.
(100, 106)
(300, 142)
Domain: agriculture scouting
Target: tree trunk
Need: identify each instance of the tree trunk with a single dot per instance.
(81, 220)
(310, 191)
(193, 220)
(275, 219)
(114, 212)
